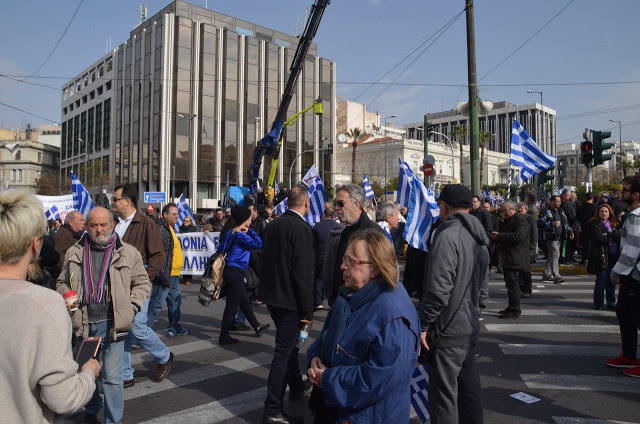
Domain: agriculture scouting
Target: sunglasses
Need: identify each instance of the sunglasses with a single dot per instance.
(339, 203)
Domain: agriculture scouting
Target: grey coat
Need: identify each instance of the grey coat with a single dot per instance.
(458, 256)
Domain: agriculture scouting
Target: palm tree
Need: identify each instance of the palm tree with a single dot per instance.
(483, 139)
(626, 167)
(355, 134)
(460, 133)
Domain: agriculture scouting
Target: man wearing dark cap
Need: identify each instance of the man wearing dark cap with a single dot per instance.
(455, 289)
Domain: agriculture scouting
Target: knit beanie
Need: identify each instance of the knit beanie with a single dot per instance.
(456, 196)
(240, 214)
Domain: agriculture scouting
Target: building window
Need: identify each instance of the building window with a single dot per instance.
(18, 155)
(571, 161)
(13, 175)
(38, 174)
(39, 157)
(19, 175)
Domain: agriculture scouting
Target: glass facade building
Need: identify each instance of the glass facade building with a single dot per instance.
(189, 94)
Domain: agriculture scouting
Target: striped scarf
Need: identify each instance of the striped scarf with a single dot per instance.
(90, 295)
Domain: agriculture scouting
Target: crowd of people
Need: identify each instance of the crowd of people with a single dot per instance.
(124, 265)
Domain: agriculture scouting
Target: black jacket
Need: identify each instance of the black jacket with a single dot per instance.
(533, 231)
(513, 240)
(599, 256)
(485, 219)
(569, 209)
(164, 276)
(321, 233)
(618, 205)
(288, 265)
(258, 225)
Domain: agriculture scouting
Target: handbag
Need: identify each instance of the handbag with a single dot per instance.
(433, 338)
(212, 281)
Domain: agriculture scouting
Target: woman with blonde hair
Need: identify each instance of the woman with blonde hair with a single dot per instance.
(604, 237)
(39, 380)
(362, 363)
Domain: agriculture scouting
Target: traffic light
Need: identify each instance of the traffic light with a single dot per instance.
(586, 152)
(330, 148)
(429, 130)
(546, 176)
(599, 146)
(562, 170)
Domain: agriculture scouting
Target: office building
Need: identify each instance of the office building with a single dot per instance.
(178, 107)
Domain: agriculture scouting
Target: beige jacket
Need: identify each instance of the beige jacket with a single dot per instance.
(128, 284)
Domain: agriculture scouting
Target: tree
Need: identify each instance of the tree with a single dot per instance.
(484, 138)
(48, 184)
(626, 167)
(460, 133)
(355, 134)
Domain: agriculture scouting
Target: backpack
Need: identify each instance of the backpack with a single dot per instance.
(212, 281)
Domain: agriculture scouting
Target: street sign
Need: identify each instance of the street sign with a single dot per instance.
(155, 197)
(429, 159)
(428, 169)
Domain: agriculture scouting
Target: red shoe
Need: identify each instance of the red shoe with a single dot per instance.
(633, 372)
(622, 362)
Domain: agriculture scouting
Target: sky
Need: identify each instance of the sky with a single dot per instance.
(590, 41)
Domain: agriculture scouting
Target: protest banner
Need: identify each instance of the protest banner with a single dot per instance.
(197, 248)
(64, 204)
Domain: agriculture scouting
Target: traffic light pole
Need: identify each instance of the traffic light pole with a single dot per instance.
(589, 178)
(474, 147)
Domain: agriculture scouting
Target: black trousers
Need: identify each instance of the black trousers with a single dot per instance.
(628, 312)
(526, 282)
(513, 279)
(284, 367)
(236, 297)
(455, 392)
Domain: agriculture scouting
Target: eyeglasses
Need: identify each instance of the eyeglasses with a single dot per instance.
(624, 190)
(349, 262)
(116, 199)
(339, 203)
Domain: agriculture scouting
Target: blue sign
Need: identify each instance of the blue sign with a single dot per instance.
(155, 197)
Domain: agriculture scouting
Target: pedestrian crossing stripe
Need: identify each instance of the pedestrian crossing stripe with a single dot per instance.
(577, 313)
(596, 383)
(558, 350)
(553, 328)
(580, 420)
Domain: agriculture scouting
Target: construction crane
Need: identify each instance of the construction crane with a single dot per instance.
(272, 142)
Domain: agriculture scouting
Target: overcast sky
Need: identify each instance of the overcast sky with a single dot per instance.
(590, 41)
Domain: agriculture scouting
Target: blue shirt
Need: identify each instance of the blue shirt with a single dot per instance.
(238, 247)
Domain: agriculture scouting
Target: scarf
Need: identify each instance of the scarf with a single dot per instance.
(613, 248)
(99, 294)
(340, 314)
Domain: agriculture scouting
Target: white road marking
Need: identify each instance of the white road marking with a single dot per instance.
(560, 312)
(597, 383)
(578, 420)
(559, 350)
(139, 358)
(553, 328)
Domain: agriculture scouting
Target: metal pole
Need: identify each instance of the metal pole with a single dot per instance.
(474, 147)
(620, 135)
(589, 179)
(453, 162)
(173, 181)
(384, 189)
(425, 142)
(294, 162)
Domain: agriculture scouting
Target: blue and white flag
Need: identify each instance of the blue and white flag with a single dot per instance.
(526, 154)
(317, 197)
(420, 392)
(52, 213)
(183, 211)
(500, 198)
(276, 189)
(405, 178)
(81, 198)
(423, 212)
(368, 191)
(255, 186)
(281, 207)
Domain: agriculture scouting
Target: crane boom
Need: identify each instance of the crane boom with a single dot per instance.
(271, 143)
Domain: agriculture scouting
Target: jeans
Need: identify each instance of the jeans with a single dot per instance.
(148, 339)
(603, 280)
(174, 300)
(157, 297)
(110, 376)
(455, 392)
(318, 293)
(284, 367)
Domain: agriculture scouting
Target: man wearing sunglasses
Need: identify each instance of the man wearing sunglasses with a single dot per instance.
(349, 203)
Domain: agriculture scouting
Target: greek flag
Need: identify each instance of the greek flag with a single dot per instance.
(276, 189)
(81, 198)
(368, 191)
(423, 212)
(404, 183)
(281, 207)
(317, 199)
(420, 392)
(500, 198)
(183, 211)
(255, 186)
(52, 213)
(526, 154)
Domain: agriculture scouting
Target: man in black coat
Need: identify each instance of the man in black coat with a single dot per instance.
(526, 282)
(616, 202)
(513, 239)
(286, 286)
(586, 211)
(483, 216)
(349, 203)
(321, 233)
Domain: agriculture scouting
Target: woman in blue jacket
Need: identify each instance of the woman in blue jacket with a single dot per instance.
(362, 363)
(237, 239)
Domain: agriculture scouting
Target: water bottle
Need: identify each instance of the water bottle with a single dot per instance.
(302, 336)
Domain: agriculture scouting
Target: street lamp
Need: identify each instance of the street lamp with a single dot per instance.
(385, 154)
(302, 153)
(453, 161)
(620, 143)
